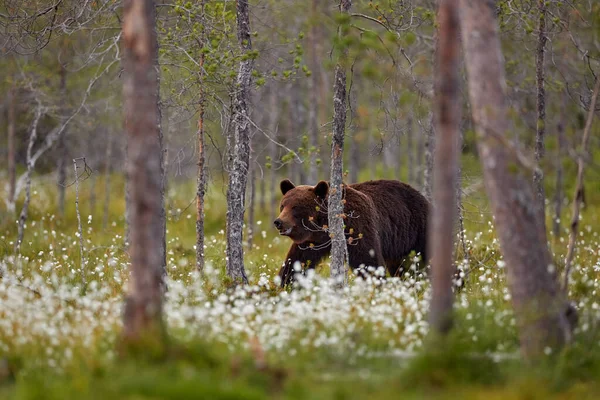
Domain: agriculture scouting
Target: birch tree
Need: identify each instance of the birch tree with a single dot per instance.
(143, 305)
(540, 306)
(201, 177)
(445, 168)
(339, 250)
(12, 101)
(238, 176)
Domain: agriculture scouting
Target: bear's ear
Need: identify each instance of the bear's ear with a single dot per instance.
(286, 185)
(321, 189)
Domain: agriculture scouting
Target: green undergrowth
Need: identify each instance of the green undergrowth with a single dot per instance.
(448, 369)
(479, 360)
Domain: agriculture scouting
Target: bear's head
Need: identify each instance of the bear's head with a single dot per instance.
(303, 210)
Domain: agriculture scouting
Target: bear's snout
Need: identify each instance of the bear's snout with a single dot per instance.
(278, 224)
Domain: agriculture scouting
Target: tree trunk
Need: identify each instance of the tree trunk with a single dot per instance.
(559, 190)
(578, 198)
(238, 176)
(313, 85)
(538, 175)
(354, 127)
(297, 129)
(410, 151)
(339, 251)
(12, 170)
(25, 210)
(201, 181)
(420, 155)
(82, 261)
(370, 152)
(273, 187)
(446, 163)
(143, 325)
(201, 177)
(107, 172)
(251, 205)
(93, 176)
(62, 147)
(540, 307)
(429, 150)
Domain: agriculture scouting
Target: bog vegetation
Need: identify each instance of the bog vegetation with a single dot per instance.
(63, 286)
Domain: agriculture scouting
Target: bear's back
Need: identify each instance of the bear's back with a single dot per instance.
(402, 212)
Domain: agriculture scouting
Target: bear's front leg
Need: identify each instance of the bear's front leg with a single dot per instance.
(307, 256)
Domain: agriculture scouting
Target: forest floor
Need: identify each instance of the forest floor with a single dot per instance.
(58, 338)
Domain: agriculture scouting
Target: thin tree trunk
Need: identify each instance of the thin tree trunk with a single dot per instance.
(166, 134)
(92, 180)
(201, 178)
(420, 154)
(339, 250)
(12, 170)
(273, 187)
(25, 209)
(313, 84)
(355, 146)
(251, 206)
(263, 192)
(559, 190)
(238, 175)
(143, 324)
(538, 175)
(107, 172)
(410, 151)
(370, 150)
(82, 261)
(62, 147)
(540, 306)
(201, 182)
(298, 124)
(578, 198)
(446, 164)
(429, 150)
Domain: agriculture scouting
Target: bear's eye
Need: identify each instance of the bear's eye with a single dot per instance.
(280, 208)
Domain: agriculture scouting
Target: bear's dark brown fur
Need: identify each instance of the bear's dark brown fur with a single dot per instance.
(385, 220)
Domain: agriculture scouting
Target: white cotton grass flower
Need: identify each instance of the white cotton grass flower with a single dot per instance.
(42, 304)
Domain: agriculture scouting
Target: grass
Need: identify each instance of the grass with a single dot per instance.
(369, 341)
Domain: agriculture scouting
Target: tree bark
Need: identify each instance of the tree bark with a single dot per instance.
(538, 175)
(82, 261)
(12, 170)
(559, 190)
(313, 85)
(201, 177)
(62, 147)
(251, 206)
(540, 307)
(238, 175)
(429, 150)
(200, 182)
(410, 151)
(25, 210)
(354, 126)
(578, 198)
(273, 187)
(143, 324)
(107, 172)
(339, 250)
(446, 164)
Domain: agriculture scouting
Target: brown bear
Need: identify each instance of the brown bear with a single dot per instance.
(384, 221)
